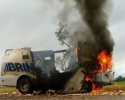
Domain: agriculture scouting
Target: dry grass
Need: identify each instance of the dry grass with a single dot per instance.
(116, 87)
(4, 89)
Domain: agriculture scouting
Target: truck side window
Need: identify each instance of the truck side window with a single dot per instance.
(25, 54)
(47, 58)
(7, 52)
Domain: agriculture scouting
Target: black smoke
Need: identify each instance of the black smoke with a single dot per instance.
(92, 11)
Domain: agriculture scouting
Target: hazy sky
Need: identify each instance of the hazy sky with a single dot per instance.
(32, 23)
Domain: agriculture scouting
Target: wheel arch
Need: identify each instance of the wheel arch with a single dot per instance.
(25, 76)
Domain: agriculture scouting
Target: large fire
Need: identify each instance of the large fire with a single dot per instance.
(105, 62)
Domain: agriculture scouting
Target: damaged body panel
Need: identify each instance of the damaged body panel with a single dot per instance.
(76, 81)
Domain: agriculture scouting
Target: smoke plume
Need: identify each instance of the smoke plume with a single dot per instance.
(92, 11)
(87, 20)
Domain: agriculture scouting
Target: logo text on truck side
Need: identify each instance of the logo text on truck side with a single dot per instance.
(25, 67)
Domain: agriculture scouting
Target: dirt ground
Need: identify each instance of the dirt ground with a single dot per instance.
(60, 97)
(120, 95)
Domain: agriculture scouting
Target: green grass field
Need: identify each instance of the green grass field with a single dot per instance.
(116, 87)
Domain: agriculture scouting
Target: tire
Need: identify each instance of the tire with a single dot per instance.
(24, 86)
(89, 88)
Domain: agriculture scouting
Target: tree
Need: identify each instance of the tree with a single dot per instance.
(62, 34)
(119, 78)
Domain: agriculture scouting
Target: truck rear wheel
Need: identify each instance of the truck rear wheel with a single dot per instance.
(24, 86)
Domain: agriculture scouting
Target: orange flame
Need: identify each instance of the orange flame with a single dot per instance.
(77, 49)
(105, 61)
(95, 87)
(88, 78)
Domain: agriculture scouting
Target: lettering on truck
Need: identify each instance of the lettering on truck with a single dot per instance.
(25, 67)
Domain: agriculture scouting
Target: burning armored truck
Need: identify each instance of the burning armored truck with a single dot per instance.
(32, 70)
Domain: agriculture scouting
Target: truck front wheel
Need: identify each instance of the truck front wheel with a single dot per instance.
(24, 86)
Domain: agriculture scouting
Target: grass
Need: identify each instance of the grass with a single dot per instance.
(116, 87)
(6, 89)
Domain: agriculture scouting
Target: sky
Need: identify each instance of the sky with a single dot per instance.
(32, 23)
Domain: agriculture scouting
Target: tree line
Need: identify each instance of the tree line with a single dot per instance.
(120, 78)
